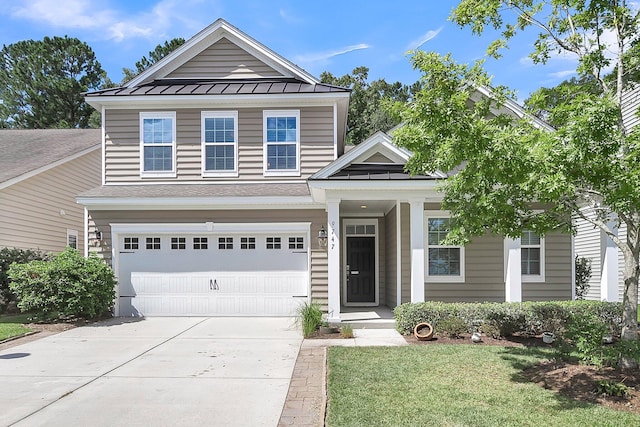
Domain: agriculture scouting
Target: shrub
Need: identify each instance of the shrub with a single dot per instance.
(508, 318)
(583, 336)
(68, 285)
(346, 330)
(309, 318)
(453, 327)
(7, 257)
(582, 276)
(610, 388)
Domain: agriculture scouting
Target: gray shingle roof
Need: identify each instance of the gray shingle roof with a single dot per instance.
(198, 190)
(25, 150)
(220, 87)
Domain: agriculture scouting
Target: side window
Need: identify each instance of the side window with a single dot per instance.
(444, 263)
(72, 238)
(281, 137)
(531, 256)
(158, 144)
(219, 143)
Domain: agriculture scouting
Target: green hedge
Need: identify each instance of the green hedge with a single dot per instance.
(68, 285)
(7, 257)
(529, 318)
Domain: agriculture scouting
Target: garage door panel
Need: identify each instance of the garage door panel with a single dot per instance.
(226, 278)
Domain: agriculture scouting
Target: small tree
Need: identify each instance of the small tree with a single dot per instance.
(67, 286)
(582, 276)
(7, 257)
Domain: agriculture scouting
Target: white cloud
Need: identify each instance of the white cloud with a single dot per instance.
(289, 18)
(323, 57)
(105, 23)
(562, 74)
(429, 35)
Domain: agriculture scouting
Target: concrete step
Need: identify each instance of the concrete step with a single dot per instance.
(371, 323)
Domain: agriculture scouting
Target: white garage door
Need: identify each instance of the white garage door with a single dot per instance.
(208, 274)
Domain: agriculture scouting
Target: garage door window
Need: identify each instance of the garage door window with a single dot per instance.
(247, 243)
(178, 243)
(274, 243)
(296, 242)
(130, 243)
(225, 243)
(153, 243)
(200, 243)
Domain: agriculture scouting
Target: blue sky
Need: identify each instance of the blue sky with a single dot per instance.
(326, 35)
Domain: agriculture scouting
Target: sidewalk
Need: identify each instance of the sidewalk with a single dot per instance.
(306, 400)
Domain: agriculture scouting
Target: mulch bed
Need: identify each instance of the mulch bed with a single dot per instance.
(576, 382)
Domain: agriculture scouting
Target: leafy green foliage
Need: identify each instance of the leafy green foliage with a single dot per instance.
(584, 335)
(309, 318)
(453, 327)
(611, 388)
(366, 112)
(42, 81)
(530, 318)
(582, 276)
(155, 55)
(67, 286)
(7, 257)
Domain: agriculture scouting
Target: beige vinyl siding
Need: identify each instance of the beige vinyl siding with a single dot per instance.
(557, 284)
(484, 274)
(406, 252)
(378, 158)
(588, 245)
(224, 59)
(36, 212)
(122, 145)
(391, 257)
(101, 220)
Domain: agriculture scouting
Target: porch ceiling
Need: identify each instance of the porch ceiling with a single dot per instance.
(365, 207)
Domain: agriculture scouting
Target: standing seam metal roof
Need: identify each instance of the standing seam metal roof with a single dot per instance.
(220, 87)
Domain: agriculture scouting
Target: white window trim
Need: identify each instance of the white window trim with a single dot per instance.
(436, 278)
(158, 115)
(73, 233)
(219, 114)
(280, 113)
(535, 278)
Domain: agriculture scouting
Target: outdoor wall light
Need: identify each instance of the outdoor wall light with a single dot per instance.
(322, 238)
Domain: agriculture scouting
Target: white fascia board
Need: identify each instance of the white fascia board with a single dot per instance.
(197, 203)
(43, 169)
(207, 37)
(211, 227)
(378, 142)
(515, 109)
(364, 185)
(205, 101)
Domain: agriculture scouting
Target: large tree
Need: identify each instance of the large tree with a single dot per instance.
(42, 81)
(587, 167)
(155, 55)
(366, 115)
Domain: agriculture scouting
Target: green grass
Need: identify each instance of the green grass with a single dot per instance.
(12, 326)
(450, 385)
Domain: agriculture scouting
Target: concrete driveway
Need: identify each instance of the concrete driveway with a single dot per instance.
(152, 372)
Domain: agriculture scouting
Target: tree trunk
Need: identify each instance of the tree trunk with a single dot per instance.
(630, 305)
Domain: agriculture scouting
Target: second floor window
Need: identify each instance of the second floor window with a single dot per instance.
(220, 143)
(282, 143)
(157, 144)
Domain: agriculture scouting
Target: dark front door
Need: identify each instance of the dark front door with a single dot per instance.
(361, 269)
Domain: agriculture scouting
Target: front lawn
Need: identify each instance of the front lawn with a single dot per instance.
(450, 385)
(13, 326)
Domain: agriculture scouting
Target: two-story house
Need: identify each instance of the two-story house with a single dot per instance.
(227, 191)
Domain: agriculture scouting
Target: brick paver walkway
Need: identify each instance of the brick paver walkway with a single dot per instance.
(306, 400)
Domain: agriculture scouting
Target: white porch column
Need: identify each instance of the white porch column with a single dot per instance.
(333, 259)
(513, 270)
(417, 249)
(609, 274)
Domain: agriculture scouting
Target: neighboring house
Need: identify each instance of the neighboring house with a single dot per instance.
(227, 191)
(607, 262)
(41, 173)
